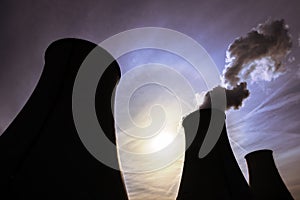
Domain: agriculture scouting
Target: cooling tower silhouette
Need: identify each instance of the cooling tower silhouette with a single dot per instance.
(216, 176)
(42, 157)
(264, 178)
(41, 154)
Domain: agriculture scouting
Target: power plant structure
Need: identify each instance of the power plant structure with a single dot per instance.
(264, 178)
(218, 176)
(42, 156)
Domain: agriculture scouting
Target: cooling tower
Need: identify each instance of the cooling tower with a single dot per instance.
(264, 178)
(41, 154)
(216, 176)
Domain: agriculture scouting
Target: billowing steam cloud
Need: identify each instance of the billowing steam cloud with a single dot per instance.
(234, 97)
(257, 56)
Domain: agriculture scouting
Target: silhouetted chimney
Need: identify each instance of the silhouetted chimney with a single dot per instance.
(216, 176)
(264, 178)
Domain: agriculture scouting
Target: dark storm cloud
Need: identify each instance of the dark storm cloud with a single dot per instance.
(234, 97)
(258, 55)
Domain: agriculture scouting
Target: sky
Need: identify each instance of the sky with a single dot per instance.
(268, 118)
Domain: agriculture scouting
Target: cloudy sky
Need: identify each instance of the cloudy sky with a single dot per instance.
(269, 117)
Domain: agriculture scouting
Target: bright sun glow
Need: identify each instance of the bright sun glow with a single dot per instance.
(161, 140)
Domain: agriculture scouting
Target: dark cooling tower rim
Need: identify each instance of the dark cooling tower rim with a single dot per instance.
(258, 152)
(204, 110)
(210, 109)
